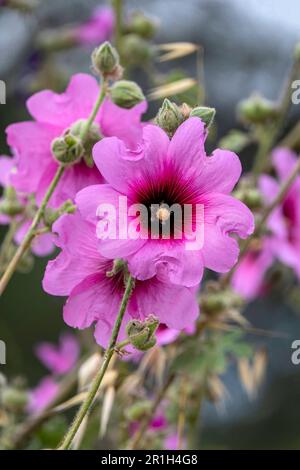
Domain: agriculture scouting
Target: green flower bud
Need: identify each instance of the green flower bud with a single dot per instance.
(138, 410)
(142, 334)
(135, 50)
(126, 94)
(92, 137)
(257, 110)
(143, 26)
(14, 399)
(169, 117)
(67, 149)
(105, 59)
(252, 197)
(10, 204)
(207, 115)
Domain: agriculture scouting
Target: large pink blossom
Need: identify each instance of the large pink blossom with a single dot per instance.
(54, 113)
(79, 272)
(176, 171)
(42, 245)
(283, 239)
(98, 28)
(59, 359)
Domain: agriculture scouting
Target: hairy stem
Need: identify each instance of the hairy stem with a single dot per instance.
(88, 402)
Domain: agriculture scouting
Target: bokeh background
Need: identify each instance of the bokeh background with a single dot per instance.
(247, 47)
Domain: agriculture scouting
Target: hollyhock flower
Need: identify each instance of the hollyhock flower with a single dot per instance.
(98, 28)
(171, 442)
(53, 114)
(42, 245)
(283, 239)
(59, 359)
(42, 395)
(80, 272)
(169, 172)
(284, 222)
(248, 278)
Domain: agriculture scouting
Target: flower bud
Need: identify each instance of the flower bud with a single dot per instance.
(143, 25)
(67, 149)
(207, 115)
(252, 197)
(10, 204)
(138, 410)
(135, 50)
(169, 117)
(142, 334)
(126, 94)
(14, 399)
(105, 59)
(257, 110)
(92, 137)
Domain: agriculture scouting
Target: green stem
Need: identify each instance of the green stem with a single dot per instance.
(117, 5)
(86, 405)
(23, 247)
(91, 118)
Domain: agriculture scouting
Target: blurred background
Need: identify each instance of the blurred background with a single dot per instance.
(246, 48)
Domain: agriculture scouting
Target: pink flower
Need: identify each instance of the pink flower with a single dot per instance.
(41, 245)
(98, 28)
(42, 395)
(284, 222)
(53, 114)
(248, 279)
(79, 272)
(171, 442)
(59, 359)
(283, 240)
(176, 171)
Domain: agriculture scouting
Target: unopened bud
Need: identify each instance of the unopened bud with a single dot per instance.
(135, 50)
(105, 59)
(126, 94)
(257, 110)
(91, 138)
(169, 117)
(10, 204)
(14, 399)
(142, 334)
(207, 115)
(143, 25)
(252, 197)
(67, 149)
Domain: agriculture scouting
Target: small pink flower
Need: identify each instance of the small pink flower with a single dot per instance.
(98, 28)
(53, 114)
(59, 359)
(176, 171)
(42, 245)
(248, 279)
(42, 395)
(79, 272)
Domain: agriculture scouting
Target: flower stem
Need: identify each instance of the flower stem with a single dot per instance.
(117, 5)
(86, 405)
(31, 232)
(91, 118)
